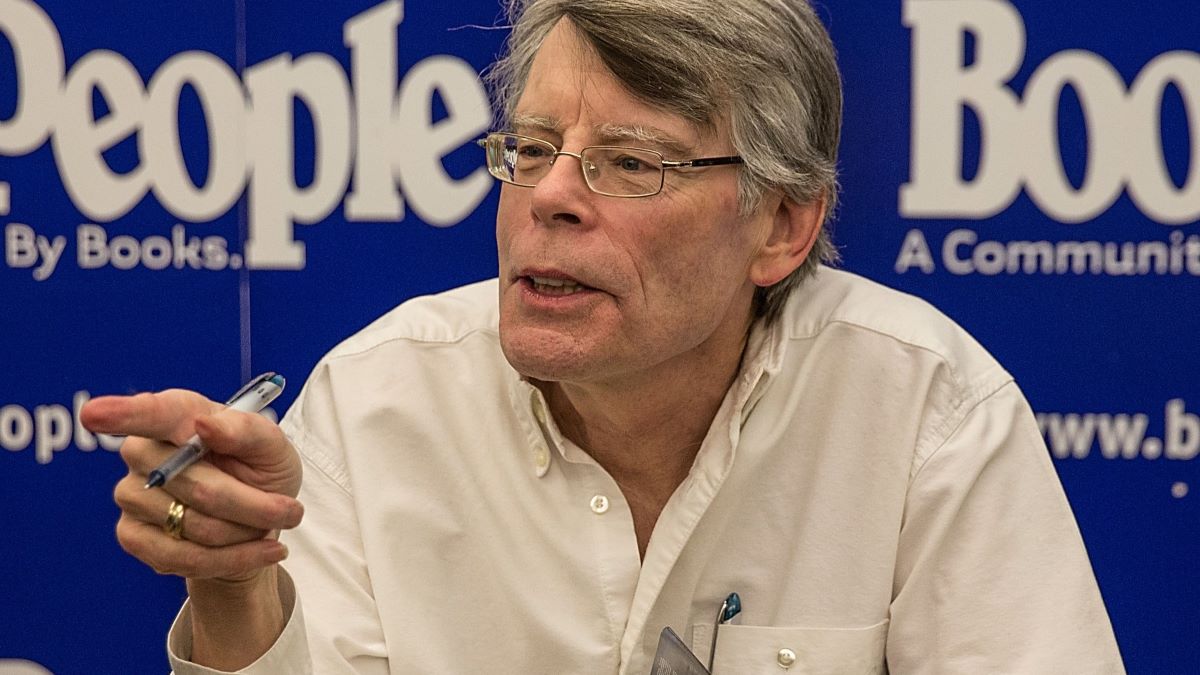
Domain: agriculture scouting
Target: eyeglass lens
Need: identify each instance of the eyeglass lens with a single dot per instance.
(608, 170)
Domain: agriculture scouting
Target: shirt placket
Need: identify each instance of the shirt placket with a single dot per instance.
(630, 586)
(600, 514)
(673, 532)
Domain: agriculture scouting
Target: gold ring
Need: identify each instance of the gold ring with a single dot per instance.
(174, 523)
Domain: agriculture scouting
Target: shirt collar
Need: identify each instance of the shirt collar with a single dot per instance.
(760, 362)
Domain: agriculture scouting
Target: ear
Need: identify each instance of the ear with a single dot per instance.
(794, 229)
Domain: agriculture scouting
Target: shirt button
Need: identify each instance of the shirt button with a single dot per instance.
(785, 658)
(541, 458)
(599, 504)
(539, 412)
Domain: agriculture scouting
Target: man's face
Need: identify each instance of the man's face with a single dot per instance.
(662, 280)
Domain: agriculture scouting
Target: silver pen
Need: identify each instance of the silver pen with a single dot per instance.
(252, 398)
(729, 609)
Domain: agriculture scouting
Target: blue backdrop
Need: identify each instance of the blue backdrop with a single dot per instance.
(192, 193)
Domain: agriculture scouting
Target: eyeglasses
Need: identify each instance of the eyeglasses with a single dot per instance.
(608, 170)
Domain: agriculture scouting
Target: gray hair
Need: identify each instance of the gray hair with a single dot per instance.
(768, 66)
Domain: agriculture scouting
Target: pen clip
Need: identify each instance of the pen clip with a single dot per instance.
(729, 609)
(250, 385)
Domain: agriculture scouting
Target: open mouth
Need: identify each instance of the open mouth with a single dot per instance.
(554, 286)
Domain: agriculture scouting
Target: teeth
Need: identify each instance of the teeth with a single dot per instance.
(555, 286)
(544, 281)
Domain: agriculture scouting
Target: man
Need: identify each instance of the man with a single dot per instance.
(671, 403)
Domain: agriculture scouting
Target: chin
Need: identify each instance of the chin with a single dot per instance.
(547, 356)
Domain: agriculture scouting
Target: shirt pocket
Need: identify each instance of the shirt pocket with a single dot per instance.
(774, 650)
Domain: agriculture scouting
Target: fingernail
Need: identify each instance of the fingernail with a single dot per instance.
(284, 552)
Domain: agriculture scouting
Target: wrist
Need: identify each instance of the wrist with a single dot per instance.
(234, 587)
(235, 621)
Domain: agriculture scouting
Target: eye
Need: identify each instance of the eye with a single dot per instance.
(630, 164)
(532, 150)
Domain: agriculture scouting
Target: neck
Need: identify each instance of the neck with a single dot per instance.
(646, 431)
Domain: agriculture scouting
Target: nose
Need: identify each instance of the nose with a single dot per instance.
(562, 195)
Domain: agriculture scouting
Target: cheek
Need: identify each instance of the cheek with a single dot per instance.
(512, 208)
(689, 250)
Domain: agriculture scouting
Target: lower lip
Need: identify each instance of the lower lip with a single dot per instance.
(535, 298)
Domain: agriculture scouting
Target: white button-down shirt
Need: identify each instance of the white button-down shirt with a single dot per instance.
(874, 488)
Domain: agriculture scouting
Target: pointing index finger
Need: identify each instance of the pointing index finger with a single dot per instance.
(168, 415)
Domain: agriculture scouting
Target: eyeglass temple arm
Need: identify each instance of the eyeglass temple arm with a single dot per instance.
(707, 161)
(666, 163)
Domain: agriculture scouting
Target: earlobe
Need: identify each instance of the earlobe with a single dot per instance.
(794, 230)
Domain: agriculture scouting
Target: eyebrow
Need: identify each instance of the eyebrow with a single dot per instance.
(611, 134)
(617, 133)
(522, 122)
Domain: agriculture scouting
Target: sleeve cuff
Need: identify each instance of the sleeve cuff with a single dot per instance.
(289, 654)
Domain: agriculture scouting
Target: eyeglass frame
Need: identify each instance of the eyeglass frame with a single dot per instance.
(663, 162)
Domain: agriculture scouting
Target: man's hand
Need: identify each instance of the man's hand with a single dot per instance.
(236, 498)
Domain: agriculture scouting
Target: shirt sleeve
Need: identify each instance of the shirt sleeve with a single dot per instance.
(334, 624)
(289, 654)
(992, 574)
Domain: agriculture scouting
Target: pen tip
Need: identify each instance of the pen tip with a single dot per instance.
(155, 480)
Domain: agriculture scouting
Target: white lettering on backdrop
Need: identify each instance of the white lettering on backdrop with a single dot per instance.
(367, 124)
(1019, 133)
